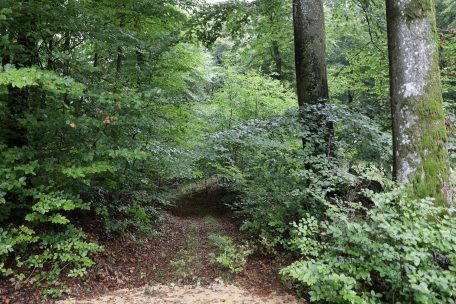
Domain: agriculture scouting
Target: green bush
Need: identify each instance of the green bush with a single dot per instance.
(15, 239)
(83, 141)
(49, 252)
(61, 250)
(399, 250)
(229, 255)
(278, 181)
(34, 244)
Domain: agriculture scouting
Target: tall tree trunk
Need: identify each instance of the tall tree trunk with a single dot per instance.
(275, 51)
(27, 56)
(310, 51)
(419, 133)
(310, 62)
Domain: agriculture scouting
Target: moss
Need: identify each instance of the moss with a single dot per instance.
(429, 140)
(429, 134)
(417, 9)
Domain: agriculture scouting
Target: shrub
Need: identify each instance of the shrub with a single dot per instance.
(84, 150)
(229, 255)
(46, 241)
(400, 250)
(278, 181)
(49, 252)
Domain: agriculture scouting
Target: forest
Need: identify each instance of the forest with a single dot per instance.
(291, 151)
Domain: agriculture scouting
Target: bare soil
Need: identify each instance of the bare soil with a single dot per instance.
(213, 294)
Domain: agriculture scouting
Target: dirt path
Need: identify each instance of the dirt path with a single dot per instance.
(213, 294)
(175, 266)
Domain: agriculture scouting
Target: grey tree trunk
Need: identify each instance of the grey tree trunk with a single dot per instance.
(310, 62)
(310, 51)
(419, 132)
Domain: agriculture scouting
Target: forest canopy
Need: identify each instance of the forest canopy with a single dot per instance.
(328, 125)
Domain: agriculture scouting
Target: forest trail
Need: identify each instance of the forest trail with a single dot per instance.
(213, 294)
(175, 266)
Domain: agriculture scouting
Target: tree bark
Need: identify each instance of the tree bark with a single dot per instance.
(119, 60)
(95, 59)
(67, 49)
(310, 51)
(275, 51)
(419, 133)
(310, 64)
(120, 51)
(25, 57)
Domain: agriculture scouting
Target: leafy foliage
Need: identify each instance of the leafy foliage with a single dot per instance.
(94, 108)
(105, 105)
(278, 181)
(398, 250)
(229, 255)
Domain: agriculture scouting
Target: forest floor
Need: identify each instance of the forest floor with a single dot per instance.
(174, 266)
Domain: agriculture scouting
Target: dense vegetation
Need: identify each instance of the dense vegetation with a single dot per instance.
(106, 106)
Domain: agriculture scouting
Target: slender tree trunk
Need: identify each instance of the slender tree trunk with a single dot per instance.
(17, 103)
(95, 59)
(139, 58)
(310, 51)
(5, 57)
(50, 63)
(120, 52)
(95, 65)
(67, 47)
(66, 63)
(119, 60)
(277, 60)
(419, 133)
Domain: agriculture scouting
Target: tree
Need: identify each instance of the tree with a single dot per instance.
(272, 25)
(419, 133)
(310, 65)
(24, 55)
(309, 33)
(90, 96)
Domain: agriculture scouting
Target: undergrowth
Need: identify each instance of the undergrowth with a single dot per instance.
(398, 250)
(229, 255)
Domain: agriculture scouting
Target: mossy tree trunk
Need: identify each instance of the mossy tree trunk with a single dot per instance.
(419, 133)
(310, 51)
